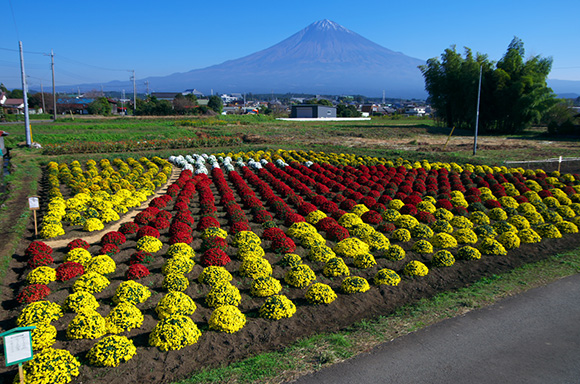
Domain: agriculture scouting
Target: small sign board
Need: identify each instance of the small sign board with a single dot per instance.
(17, 345)
(34, 202)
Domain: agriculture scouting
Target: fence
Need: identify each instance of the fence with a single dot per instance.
(561, 164)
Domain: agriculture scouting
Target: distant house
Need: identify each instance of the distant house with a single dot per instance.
(228, 98)
(14, 106)
(415, 111)
(312, 111)
(369, 108)
(194, 92)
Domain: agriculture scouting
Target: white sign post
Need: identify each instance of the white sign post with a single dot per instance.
(34, 205)
(18, 347)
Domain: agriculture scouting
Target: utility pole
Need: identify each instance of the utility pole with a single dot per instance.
(42, 93)
(53, 89)
(134, 94)
(147, 84)
(477, 115)
(25, 96)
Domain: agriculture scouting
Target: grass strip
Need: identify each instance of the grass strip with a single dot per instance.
(23, 181)
(315, 352)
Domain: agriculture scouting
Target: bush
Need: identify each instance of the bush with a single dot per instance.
(175, 282)
(415, 268)
(174, 265)
(227, 318)
(39, 312)
(490, 246)
(87, 324)
(395, 253)
(300, 276)
(277, 307)
(68, 270)
(32, 293)
(319, 293)
(111, 351)
(354, 284)
(43, 336)
(366, 260)
(468, 253)
(102, 264)
(175, 303)
(81, 300)
(215, 257)
(443, 258)
(55, 366)
(387, 276)
(123, 317)
(223, 294)
(265, 286)
(335, 267)
(255, 267)
(173, 333)
(131, 292)
(91, 282)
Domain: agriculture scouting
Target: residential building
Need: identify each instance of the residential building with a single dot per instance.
(306, 111)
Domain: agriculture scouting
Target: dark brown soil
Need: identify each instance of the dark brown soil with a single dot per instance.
(214, 349)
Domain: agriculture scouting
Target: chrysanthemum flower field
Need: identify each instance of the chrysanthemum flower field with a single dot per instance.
(247, 252)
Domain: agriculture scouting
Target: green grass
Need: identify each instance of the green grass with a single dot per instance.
(23, 181)
(312, 353)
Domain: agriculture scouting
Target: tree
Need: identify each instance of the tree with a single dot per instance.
(514, 92)
(347, 111)
(100, 106)
(319, 102)
(185, 105)
(15, 94)
(215, 103)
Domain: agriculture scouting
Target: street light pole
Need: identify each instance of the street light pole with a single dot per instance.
(477, 115)
(25, 96)
(53, 88)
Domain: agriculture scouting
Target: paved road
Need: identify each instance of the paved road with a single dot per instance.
(530, 338)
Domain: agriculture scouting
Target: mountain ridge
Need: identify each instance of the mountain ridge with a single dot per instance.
(323, 58)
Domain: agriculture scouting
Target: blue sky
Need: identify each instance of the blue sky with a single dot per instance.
(100, 41)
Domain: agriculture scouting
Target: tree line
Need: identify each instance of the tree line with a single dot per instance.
(514, 92)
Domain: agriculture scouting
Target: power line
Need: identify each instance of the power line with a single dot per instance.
(94, 66)
(29, 52)
(14, 19)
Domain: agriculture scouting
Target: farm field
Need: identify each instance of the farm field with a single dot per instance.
(277, 220)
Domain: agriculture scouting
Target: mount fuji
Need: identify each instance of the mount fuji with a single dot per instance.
(323, 58)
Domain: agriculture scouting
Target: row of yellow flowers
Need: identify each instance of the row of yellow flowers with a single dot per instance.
(99, 196)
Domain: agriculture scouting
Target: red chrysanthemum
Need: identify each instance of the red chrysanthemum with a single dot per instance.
(37, 247)
(147, 231)
(77, 243)
(129, 228)
(141, 257)
(137, 271)
(32, 293)
(109, 249)
(68, 270)
(113, 237)
(40, 260)
(215, 257)
(372, 217)
(181, 237)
